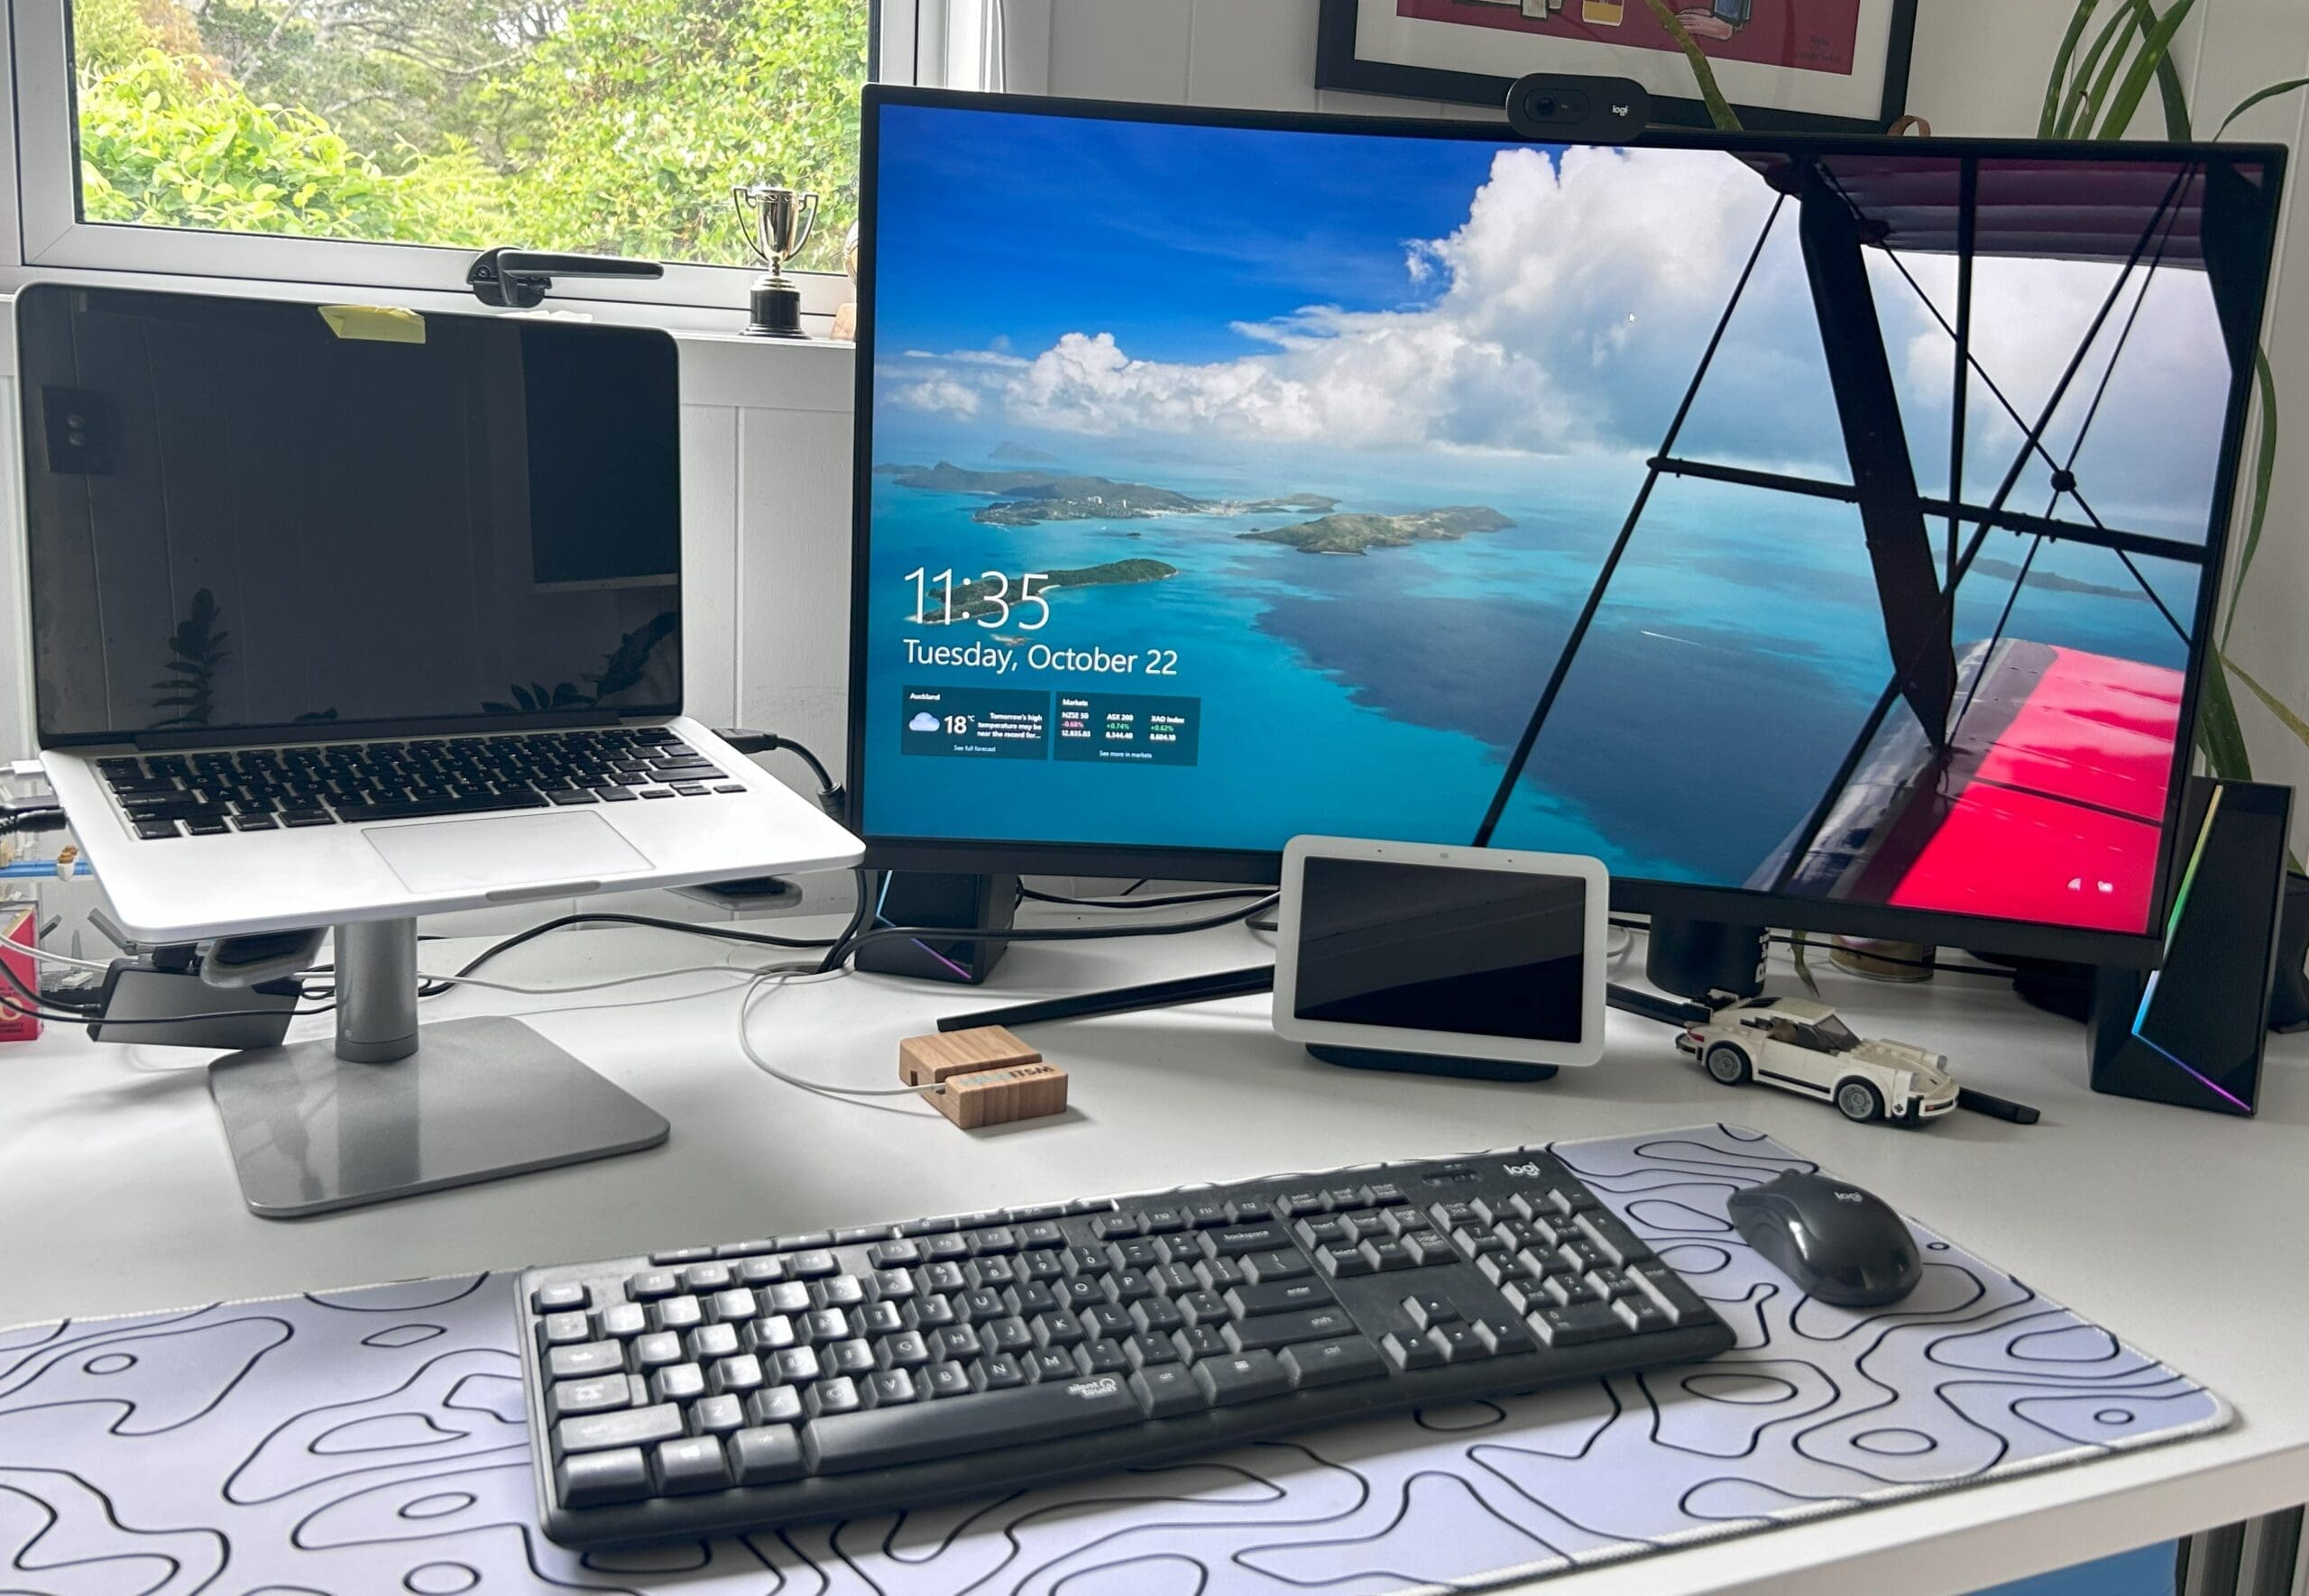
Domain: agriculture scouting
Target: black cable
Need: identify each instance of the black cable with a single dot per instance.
(723, 933)
(841, 954)
(46, 817)
(864, 911)
(1172, 900)
(1917, 964)
(1914, 964)
(832, 798)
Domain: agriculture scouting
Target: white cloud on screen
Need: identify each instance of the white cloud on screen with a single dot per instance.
(941, 396)
(1528, 344)
(1567, 313)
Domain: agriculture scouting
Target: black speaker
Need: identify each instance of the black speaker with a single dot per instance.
(934, 898)
(1694, 957)
(2191, 1032)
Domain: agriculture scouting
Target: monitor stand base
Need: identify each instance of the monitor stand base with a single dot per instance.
(387, 1109)
(1430, 1064)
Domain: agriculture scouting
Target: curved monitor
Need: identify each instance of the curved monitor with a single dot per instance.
(1817, 531)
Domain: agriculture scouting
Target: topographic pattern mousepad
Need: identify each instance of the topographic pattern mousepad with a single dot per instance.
(372, 1441)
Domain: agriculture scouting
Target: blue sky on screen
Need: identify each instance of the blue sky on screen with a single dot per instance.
(1163, 236)
(1070, 281)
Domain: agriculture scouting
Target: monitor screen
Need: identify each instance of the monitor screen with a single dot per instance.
(1419, 948)
(1812, 521)
(249, 515)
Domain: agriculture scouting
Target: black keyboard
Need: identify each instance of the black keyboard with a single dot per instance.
(333, 784)
(738, 1387)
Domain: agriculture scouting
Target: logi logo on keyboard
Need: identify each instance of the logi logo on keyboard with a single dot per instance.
(1106, 1385)
(1528, 1171)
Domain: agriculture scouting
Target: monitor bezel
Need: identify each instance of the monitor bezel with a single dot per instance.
(2024, 939)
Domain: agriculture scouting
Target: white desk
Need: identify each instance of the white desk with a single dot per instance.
(2181, 1231)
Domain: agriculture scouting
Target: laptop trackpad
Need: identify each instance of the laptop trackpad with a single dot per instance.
(504, 850)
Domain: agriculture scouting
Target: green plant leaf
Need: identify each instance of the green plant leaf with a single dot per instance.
(2154, 49)
(2094, 74)
(2220, 735)
(2264, 473)
(1798, 952)
(2255, 98)
(1719, 109)
(2057, 82)
(2291, 721)
(2168, 79)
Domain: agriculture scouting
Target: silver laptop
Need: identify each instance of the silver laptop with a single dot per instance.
(339, 614)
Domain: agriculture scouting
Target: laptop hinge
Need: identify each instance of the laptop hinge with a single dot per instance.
(329, 731)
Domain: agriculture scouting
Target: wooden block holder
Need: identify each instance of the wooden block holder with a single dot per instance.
(991, 1076)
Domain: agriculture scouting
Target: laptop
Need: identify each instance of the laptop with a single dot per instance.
(343, 613)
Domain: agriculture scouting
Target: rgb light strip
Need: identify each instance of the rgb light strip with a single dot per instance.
(2172, 927)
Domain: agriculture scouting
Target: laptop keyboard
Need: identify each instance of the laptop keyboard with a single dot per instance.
(332, 784)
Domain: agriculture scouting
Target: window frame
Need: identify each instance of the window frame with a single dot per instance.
(909, 40)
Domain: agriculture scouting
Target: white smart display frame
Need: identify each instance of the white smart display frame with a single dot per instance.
(1402, 935)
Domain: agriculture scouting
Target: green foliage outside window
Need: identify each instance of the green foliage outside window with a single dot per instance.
(614, 126)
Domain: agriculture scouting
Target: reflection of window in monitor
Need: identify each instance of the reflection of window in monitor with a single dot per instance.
(482, 522)
(602, 527)
(1817, 532)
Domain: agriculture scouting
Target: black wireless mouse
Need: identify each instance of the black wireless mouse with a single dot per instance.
(1837, 1243)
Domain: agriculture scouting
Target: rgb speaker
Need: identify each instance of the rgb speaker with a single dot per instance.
(936, 899)
(2190, 1032)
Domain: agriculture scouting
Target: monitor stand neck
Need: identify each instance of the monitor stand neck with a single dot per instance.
(387, 1108)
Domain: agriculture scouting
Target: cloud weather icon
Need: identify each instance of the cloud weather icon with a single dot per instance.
(923, 720)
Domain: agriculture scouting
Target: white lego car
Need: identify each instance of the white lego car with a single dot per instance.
(1801, 1046)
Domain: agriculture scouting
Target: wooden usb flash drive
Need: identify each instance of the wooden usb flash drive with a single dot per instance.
(991, 1076)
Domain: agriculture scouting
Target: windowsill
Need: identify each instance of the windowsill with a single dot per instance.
(812, 374)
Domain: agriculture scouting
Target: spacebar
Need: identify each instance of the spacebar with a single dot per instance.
(416, 809)
(885, 1436)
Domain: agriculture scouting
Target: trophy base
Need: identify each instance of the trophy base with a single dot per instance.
(776, 311)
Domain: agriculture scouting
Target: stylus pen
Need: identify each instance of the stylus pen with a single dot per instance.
(2003, 1108)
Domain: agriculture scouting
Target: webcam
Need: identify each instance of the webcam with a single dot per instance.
(1565, 106)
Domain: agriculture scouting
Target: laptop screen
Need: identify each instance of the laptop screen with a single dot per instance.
(248, 516)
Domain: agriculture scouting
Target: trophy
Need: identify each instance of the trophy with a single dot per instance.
(778, 223)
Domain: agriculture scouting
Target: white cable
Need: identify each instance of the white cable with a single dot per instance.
(45, 956)
(692, 970)
(774, 979)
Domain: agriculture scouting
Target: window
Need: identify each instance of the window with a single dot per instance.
(1836, 1036)
(382, 142)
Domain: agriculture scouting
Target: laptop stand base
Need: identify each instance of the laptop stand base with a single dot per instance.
(482, 1098)
(388, 1108)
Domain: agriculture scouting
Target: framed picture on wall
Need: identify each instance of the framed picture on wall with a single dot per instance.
(1787, 66)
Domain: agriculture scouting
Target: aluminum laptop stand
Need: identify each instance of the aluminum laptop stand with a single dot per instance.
(387, 1108)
